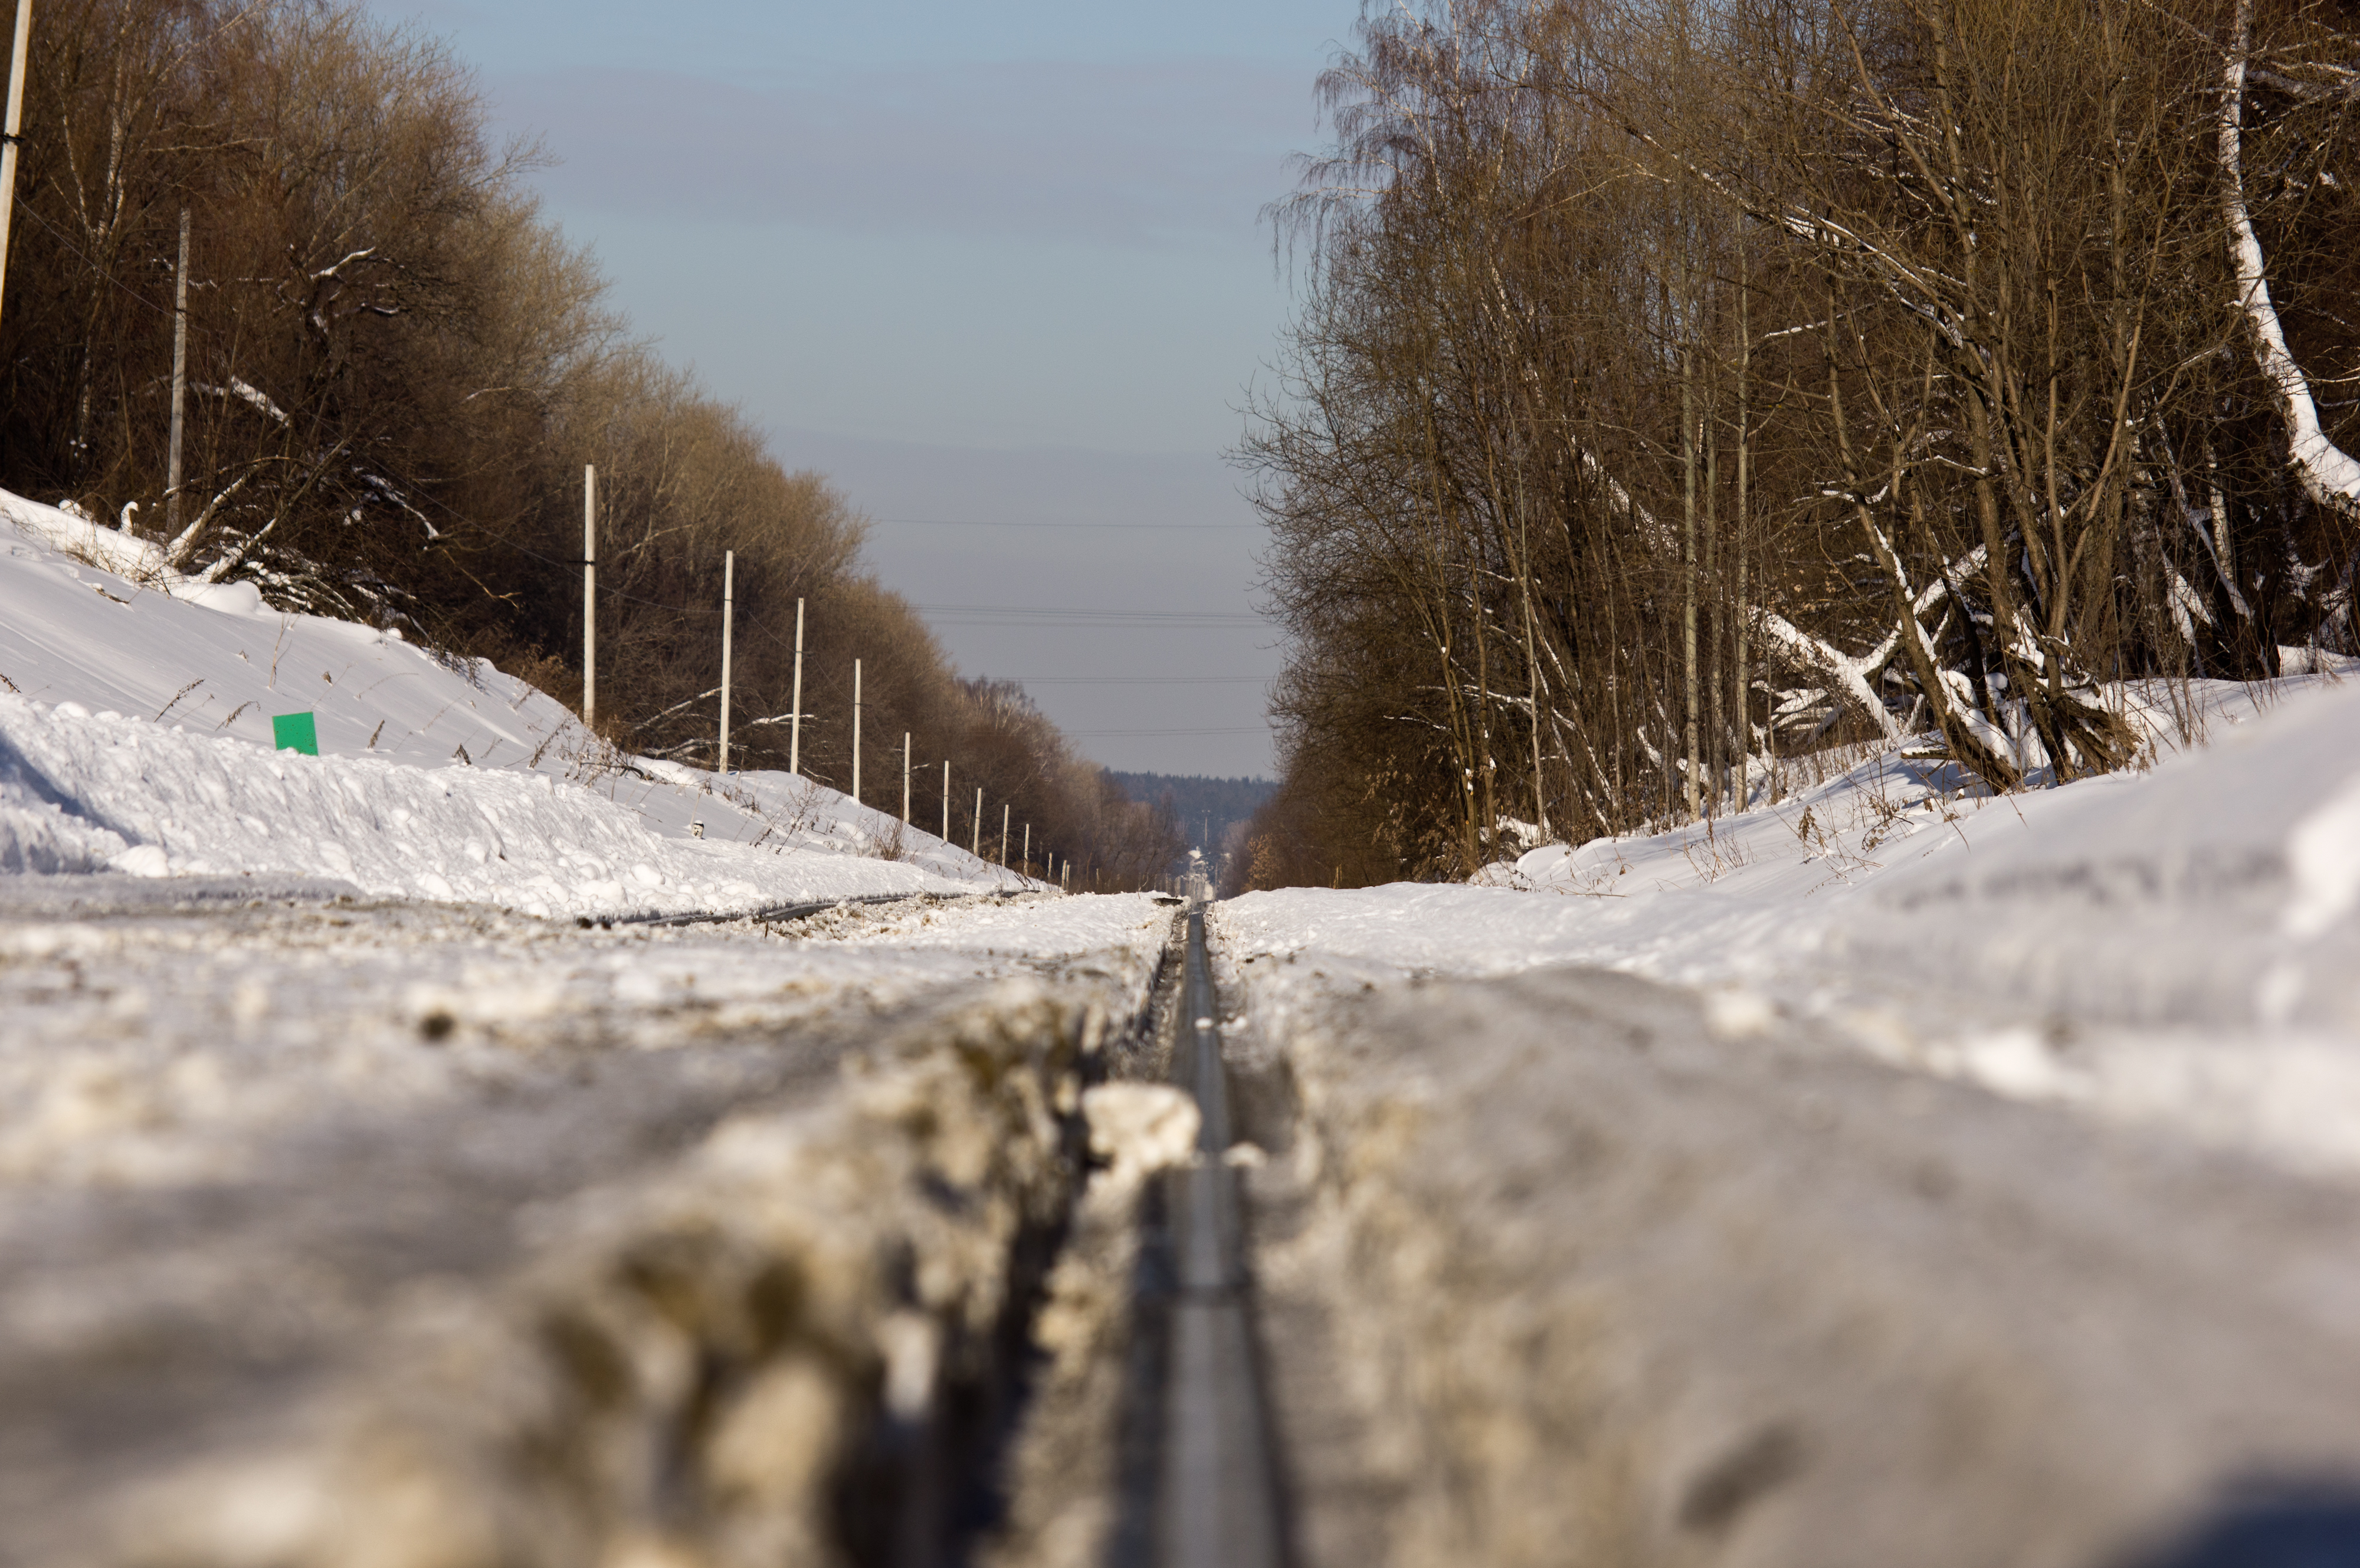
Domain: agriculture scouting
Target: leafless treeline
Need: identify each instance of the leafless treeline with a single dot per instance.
(1683, 385)
(397, 370)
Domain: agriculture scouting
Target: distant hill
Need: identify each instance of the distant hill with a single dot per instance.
(1205, 806)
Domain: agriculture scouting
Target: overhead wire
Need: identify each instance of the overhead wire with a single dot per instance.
(987, 523)
(995, 615)
(1206, 730)
(990, 615)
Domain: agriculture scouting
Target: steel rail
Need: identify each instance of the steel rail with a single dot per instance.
(1218, 1503)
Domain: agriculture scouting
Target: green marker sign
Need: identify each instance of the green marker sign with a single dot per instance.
(296, 732)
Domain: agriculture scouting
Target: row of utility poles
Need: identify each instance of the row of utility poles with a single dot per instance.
(1061, 870)
(9, 141)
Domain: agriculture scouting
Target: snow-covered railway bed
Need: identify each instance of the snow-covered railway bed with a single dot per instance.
(1569, 1265)
(341, 1231)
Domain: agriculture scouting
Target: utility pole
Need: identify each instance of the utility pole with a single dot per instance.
(15, 121)
(180, 381)
(796, 723)
(589, 591)
(856, 732)
(728, 612)
(905, 778)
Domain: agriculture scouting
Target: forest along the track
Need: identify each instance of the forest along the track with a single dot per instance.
(343, 1232)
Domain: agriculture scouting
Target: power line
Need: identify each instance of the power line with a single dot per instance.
(1233, 729)
(1061, 610)
(1010, 615)
(1114, 528)
(1139, 679)
(1018, 623)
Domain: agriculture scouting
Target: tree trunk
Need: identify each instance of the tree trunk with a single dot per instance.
(1688, 569)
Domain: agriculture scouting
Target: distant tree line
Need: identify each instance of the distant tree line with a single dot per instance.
(1204, 804)
(1681, 387)
(397, 372)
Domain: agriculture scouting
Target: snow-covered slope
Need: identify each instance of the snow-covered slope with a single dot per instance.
(136, 734)
(2177, 946)
(127, 635)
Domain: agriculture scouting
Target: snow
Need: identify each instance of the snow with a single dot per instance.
(2177, 948)
(136, 708)
(345, 1167)
(1140, 1129)
(144, 1045)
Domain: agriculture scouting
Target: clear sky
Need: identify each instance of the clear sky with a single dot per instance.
(985, 266)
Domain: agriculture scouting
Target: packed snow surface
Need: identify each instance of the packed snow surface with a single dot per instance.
(337, 1232)
(2178, 946)
(135, 735)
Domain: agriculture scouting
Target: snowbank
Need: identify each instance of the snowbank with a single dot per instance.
(2177, 946)
(127, 635)
(81, 792)
(136, 709)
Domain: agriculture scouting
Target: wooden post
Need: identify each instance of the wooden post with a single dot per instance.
(15, 123)
(590, 594)
(729, 610)
(976, 848)
(946, 803)
(905, 778)
(856, 732)
(795, 722)
(1004, 809)
(1027, 863)
(180, 383)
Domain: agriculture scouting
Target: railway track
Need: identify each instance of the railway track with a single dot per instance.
(1211, 1497)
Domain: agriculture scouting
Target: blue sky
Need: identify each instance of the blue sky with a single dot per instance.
(983, 266)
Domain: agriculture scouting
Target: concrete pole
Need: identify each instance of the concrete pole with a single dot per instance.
(728, 613)
(1028, 847)
(1004, 809)
(590, 594)
(15, 123)
(180, 383)
(946, 799)
(796, 723)
(856, 732)
(976, 848)
(905, 778)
